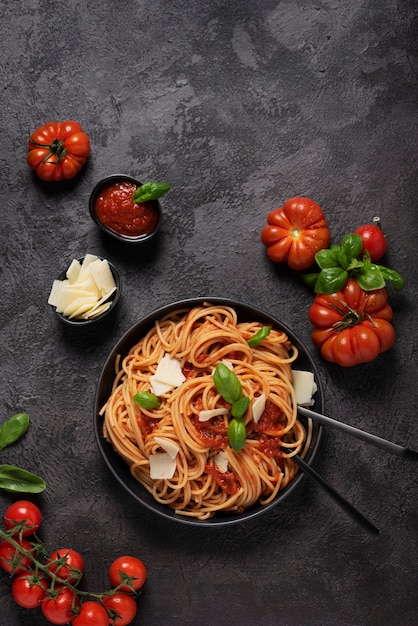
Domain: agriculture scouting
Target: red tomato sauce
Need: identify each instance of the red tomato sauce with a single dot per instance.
(212, 433)
(226, 481)
(117, 211)
(270, 422)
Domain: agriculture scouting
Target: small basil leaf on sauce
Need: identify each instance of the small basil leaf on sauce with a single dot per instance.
(150, 191)
(146, 400)
(227, 383)
(237, 434)
(239, 407)
(15, 479)
(259, 336)
(13, 429)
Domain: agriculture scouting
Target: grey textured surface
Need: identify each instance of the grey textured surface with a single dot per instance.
(239, 105)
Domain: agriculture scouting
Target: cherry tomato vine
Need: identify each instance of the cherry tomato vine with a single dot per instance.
(50, 581)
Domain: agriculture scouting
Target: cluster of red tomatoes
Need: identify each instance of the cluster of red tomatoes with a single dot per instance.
(51, 584)
(350, 313)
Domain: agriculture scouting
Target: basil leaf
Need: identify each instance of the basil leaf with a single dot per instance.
(237, 434)
(355, 264)
(327, 258)
(227, 383)
(13, 429)
(150, 191)
(239, 407)
(331, 280)
(351, 245)
(370, 278)
(146, 400)
(310, 279)
(259, 336)
(392, 277)
(15, 479)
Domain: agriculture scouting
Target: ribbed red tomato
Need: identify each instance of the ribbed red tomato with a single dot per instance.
(58, 150)
(352, 326)
(295, 232)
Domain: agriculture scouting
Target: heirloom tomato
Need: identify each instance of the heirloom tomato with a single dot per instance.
(58, 150)
(295, 232)
(352, 326)
(373, 240)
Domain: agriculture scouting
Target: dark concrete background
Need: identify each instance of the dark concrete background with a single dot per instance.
(239, 105)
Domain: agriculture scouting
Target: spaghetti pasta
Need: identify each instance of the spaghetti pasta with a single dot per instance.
(208, 476)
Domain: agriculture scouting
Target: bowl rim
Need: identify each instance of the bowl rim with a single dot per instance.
(118, 236)
(88, 322)
(120, 469)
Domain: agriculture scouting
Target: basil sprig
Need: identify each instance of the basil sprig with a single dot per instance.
(338, 263)
(149, 191)
(146, 400)
(229, 386)
(259, 336)
(13, 478)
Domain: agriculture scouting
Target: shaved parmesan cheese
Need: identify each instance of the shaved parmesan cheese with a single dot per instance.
(157, 388)
(221, 461)
(99, 309)
(161, 466)
(204, 416)
(102, 275)
(73, 271)
(228, 364)
(304, 386)
(168, 375)
(169, 446)
(258, 407)
(86, 291)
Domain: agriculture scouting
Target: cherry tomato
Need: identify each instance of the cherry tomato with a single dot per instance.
(91, 614)
(12, 560)
(373, 239)
(59, 607)
(23, 515)
(352, 326)
(67, 564)
(128, 569)
(295, 233)
(122, 608)
(58, 150)
(28, 590)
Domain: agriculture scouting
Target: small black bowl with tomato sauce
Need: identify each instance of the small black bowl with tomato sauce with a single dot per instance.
(113, 209)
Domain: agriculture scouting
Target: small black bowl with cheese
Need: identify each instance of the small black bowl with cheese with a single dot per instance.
(86, 292)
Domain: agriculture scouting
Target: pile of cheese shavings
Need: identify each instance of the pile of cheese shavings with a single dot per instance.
(86, 291)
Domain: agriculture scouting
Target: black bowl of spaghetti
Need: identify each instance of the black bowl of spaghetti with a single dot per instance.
(163, 430)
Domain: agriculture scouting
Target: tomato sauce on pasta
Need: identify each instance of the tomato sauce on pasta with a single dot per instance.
(200, 338)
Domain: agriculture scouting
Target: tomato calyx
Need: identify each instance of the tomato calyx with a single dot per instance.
(294, 233)
(350, 317)
(56, 148)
